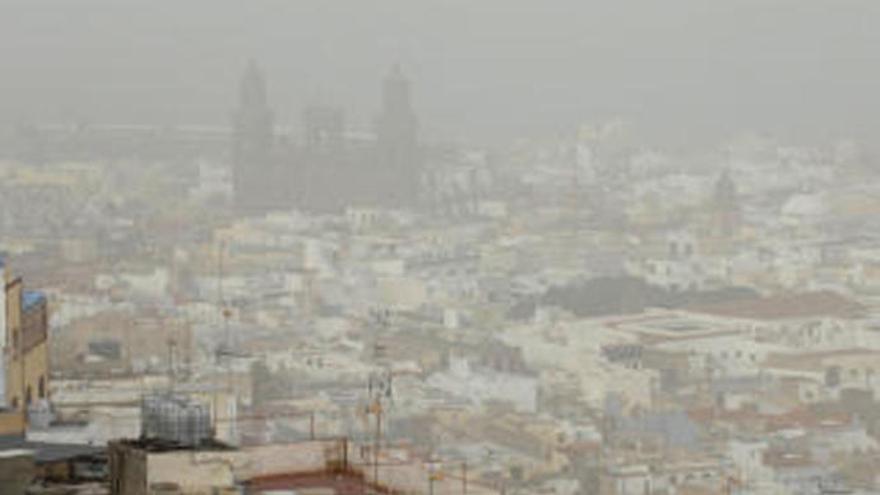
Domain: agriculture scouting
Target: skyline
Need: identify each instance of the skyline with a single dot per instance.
(451, 247)
(798, 69)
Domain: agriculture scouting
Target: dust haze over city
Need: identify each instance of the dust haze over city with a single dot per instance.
(439, 247)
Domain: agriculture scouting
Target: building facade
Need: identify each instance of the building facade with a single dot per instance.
(328, 170)
(25, 353)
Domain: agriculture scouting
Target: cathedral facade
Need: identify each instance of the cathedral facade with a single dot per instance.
(325, 171)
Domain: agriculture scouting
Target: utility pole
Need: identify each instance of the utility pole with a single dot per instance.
(224, 310)
(172, 346)
(379, 389)
(434, 474)
(464, 480)
(223, 353)
(377, 441)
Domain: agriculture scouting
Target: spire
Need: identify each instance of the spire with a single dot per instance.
(725, 189)
(253, 114)
(253, 87)
(396, 92)
(253, 122)
(397, 122)
(726, 205)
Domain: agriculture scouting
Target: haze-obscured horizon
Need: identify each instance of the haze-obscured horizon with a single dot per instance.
(684, 70)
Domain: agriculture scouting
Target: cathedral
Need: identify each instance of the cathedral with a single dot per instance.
(326, 171)
(725, 208)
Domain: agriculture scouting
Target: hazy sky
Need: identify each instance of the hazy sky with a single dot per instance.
(484, 68)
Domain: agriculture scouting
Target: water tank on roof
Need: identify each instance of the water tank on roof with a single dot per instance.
(176, 419)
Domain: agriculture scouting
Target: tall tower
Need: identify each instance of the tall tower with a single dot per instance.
(726, 207)
(253, 171)
(398, 125)
(397, 133)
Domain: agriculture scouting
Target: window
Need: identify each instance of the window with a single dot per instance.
(41, 387)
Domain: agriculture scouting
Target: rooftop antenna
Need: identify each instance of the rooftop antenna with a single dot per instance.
(225, 312)
(172, 363)
(223, 352)
(379, 394)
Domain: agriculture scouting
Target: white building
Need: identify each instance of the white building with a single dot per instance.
(481, 384)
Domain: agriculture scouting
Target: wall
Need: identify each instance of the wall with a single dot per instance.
(128, 469)
(193, 471)
(16, 472)
(133, 470)
(3, 400)
(13, 385)
(12, 423)
(27, 359)
(24, 376)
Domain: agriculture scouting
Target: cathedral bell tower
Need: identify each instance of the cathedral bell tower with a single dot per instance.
(254, 174)
(397, 135)
(725, 207)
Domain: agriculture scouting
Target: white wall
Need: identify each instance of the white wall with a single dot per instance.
(481, 385)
